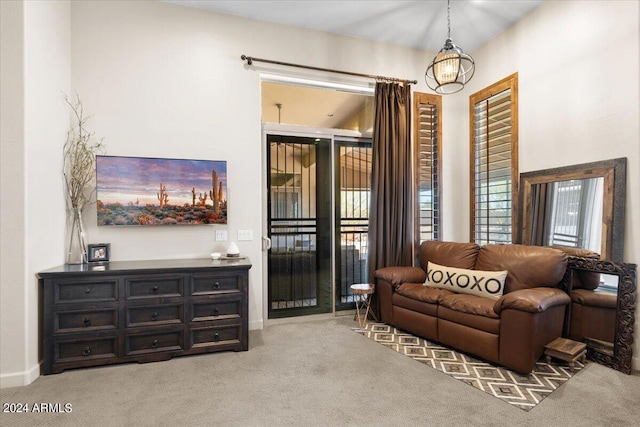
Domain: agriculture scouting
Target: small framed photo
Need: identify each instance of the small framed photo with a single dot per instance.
(99, 252)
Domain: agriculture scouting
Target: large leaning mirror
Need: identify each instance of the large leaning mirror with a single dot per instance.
(602, 310)
(580, 209)
(579, 206)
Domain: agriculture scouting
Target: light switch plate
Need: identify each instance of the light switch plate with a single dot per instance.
(221, 235)
(245, 235)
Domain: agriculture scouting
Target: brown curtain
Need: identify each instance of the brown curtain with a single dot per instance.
(539, 216)
(391, 212)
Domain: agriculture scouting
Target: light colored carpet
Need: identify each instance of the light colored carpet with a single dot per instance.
(316, 373)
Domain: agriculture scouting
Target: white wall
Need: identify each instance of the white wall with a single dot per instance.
(12, 203)
(40, 51)
(579, 102)
(47, 75)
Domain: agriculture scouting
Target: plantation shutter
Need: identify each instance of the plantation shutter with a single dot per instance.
(494, 166)
(428, 167)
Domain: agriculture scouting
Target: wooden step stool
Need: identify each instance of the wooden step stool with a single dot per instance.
(567, 350)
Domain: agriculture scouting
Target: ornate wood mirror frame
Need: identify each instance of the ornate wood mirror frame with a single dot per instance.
(621, 356)
(614, 173)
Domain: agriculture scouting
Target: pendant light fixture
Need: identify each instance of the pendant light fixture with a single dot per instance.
(451, 69)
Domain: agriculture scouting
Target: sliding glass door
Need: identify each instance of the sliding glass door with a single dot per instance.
(317, 221)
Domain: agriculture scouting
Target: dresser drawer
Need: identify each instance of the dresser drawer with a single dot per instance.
(222, 307)
(151, 287)
(84, 349)
(85, 320)
(155, 315)
(86, 291)
(209, 284)
(153, 342)
(215, 335)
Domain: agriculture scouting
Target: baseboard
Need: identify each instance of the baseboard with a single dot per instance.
(256, 325)
(300, 319)
(19, 379)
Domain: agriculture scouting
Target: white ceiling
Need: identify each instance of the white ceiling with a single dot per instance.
(418, 24)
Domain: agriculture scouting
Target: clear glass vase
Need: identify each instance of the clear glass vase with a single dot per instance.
(76, 248)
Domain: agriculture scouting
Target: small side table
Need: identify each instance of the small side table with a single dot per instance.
(362, 293)
(567, 350)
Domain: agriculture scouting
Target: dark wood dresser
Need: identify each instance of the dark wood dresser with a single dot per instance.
(141, 311)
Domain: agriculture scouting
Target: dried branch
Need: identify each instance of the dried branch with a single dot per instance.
(79, 153)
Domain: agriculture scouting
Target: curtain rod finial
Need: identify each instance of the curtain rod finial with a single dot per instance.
(247, 58)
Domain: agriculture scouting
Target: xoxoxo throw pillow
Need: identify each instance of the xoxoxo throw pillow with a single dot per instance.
(489, 284)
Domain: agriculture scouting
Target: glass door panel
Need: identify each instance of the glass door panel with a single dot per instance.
(299, 225)
(352, 195)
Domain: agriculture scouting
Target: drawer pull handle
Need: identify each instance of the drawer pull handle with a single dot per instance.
(216, 311)
(155, 344)
(87, 322)
(155, 289)
(154, 316)
(87, 291)
(87, 351)
(216, 285)
(216, 337)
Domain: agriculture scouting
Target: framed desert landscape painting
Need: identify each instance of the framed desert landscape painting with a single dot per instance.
(157, 191)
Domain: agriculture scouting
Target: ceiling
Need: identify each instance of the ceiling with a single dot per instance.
(417, 24)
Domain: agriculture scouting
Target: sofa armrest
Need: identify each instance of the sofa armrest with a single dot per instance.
(533, 300)
(397, 275)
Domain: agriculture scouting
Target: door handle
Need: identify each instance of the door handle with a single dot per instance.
(266, 243)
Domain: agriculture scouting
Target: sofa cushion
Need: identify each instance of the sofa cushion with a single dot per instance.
(488, 284)
(470, 304)
(418, 291)
(528, 266)
(474, 321)
(452, 254)
(401, 301)
(535, 300)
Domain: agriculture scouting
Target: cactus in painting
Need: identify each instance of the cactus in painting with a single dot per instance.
(202, 199)
(163, 197)
(193, 196)
(214, 193)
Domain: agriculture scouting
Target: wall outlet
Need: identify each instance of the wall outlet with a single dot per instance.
(245, 235)
(221, 235)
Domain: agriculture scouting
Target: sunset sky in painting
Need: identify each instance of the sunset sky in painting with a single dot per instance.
(127, 179)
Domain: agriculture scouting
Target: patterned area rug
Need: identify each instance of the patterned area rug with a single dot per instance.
(522, 391)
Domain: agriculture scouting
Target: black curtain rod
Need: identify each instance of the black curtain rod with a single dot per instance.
(250, 60)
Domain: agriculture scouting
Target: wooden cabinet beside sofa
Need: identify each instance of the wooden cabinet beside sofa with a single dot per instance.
(141, 311)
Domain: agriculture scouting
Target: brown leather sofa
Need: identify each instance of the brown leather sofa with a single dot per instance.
(511, 331)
